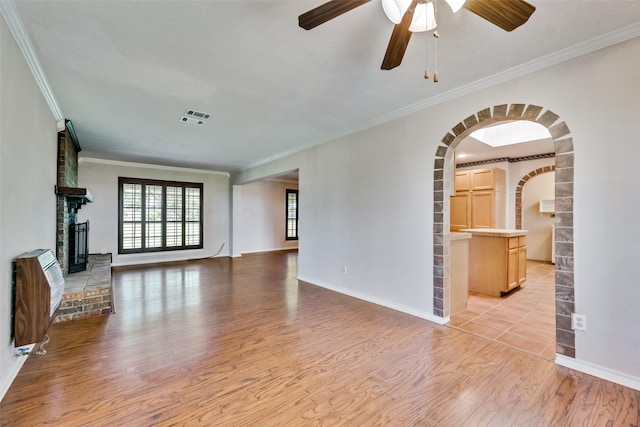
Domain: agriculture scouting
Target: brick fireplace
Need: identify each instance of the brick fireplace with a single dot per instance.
(88, 289)
(70, 200)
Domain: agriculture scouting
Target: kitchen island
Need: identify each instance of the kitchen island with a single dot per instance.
(497, 260)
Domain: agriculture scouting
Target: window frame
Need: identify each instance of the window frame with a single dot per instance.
(164, 184)
(286, 213)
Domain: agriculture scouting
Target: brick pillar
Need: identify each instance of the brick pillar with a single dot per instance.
(67, 176)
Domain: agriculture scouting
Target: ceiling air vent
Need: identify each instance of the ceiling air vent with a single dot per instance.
(194, 117)
(191, 121)
(197, 114)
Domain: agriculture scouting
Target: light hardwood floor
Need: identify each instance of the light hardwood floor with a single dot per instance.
(238, 342)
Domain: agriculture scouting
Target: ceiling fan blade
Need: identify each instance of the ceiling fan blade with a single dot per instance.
(327, 11)
(399, 39)
(506, 14)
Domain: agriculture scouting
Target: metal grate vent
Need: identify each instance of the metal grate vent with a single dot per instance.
(193, 117)
(197, 114)
(191, 121)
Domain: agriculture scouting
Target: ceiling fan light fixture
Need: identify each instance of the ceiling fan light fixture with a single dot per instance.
(455, 5)
(423, 18)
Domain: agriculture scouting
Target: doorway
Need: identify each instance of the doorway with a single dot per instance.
(262, 212)
(563, 241)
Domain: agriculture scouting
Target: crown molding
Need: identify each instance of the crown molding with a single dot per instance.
(10, 14)
(618, 36)
(150, 166)
(286, 181)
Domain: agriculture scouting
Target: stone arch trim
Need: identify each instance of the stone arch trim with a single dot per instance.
(564, 163)
(520, 187)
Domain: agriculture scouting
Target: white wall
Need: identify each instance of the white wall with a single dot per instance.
(515, 173)
(28, 150)
(539, 225)
(101, 178)
(262, 224)
(363, 205)
(369, 196)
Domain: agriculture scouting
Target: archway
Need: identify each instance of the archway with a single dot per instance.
(564, 161)
(520, 187)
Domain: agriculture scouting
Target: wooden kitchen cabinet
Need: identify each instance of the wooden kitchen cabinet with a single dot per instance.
(516, 262)
(463, 181)
(483, 209)
(497, 260)
(512, 271)
(480, 200)
(522, 260)
(486, 179)
(460, 208)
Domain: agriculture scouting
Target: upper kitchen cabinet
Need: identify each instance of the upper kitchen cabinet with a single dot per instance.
(463, 181)
(485, 179)
(480, 200)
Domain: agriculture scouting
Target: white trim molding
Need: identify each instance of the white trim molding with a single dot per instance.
(384, 303)
(15, 369)
(263, 251)
(10, 14)
(149, 166)
(599, 371)
(618, 36)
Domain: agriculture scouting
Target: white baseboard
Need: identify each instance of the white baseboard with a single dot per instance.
(599, 371)
(378, 301)
(13, 373)
(286, 248)
(124, 262)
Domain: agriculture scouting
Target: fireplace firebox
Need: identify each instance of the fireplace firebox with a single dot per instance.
(78, 247)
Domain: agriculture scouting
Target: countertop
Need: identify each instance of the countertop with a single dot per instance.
(495, 232)
(459, 236)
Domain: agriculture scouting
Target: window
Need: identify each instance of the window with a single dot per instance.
(292, 215)
(159, 215)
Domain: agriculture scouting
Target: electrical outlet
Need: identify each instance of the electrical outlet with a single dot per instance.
(579, 322)
(344, 269)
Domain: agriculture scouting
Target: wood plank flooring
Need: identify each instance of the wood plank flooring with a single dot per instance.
(238, 342)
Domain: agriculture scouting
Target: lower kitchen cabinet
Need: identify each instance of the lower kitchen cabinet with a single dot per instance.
(497, 260)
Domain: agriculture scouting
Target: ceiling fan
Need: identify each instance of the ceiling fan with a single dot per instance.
(506, 14)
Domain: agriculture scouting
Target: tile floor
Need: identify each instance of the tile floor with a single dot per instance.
(524, 318)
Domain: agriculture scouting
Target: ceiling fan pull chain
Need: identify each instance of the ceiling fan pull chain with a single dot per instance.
(436, 35)
(426, 51)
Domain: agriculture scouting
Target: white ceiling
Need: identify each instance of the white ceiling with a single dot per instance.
(125, 71)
